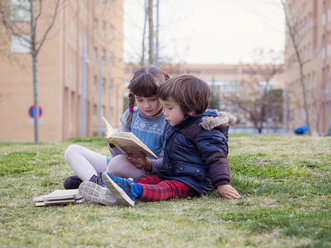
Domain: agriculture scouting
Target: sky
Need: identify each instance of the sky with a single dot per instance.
(207, 31)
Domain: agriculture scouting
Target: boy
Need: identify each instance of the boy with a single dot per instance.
(195, 149)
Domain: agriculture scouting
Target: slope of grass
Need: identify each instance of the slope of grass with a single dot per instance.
(284, 182)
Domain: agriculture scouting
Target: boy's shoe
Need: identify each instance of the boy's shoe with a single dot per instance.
(93, 192)
(121, 188)
(72, 182)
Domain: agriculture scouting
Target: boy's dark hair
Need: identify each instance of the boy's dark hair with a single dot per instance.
(145, 83)
(191, 93)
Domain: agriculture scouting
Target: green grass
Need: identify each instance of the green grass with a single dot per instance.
(284, 181)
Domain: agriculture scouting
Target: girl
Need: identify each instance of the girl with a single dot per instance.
(146, 121)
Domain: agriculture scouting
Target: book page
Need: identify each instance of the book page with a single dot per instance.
(130, 144)
(127, 142)
(109, 129)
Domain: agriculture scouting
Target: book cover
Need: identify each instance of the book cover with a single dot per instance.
(127, 142)
(62, 194)
(59, 202)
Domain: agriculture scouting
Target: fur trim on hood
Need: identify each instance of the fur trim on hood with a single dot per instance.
(218, 119)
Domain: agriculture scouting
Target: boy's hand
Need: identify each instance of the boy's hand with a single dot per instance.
(228, 192)
(140, 161)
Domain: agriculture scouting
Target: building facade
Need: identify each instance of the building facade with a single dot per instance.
(310, 22)
(80, 73)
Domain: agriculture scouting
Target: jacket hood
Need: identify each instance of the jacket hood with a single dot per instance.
(217, 119)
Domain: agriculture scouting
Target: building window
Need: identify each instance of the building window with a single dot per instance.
(20, 43)
(104, 4)
(95, 26)
(323, 53)
(111, 5)
(95, 81)
(94, 111)
(96, 54)
(20, 10)
(111, 58)
(103, 30)
(111, 32)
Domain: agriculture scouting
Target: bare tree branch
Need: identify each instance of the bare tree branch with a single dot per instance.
(39, 12)
(49, 27)
(13, 29)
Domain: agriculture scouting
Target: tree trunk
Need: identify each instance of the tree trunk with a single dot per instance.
(151, 33)
(34, 54)
(157, 33)
(35, 99)
(142, 62)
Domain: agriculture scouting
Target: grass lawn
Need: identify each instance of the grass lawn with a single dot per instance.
(284, 181)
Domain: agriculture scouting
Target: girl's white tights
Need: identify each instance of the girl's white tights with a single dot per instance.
(86, 163)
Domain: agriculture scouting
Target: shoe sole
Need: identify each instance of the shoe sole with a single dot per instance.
(93, 192)
(117, 191)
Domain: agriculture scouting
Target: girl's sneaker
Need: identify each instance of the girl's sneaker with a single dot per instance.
(96, 193)
(121, 188)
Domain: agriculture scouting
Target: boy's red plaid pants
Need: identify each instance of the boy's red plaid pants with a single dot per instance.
(157, 189)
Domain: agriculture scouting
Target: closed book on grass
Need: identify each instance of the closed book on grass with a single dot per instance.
(58, 197)
(127, 142)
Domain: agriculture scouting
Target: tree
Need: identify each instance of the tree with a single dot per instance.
(257, 103)
(275, 102)
(215, 99)
(24, 19)
(255, 99)
(297, 35)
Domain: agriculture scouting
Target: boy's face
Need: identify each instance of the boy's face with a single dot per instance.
(172, 111)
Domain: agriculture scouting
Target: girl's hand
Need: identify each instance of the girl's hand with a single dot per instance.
(228, 192)
(140, 161)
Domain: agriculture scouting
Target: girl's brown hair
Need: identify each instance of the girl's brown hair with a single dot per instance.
(191, 93)
(145, 83)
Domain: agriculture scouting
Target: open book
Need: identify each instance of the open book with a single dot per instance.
(59, 197)
(127, 142)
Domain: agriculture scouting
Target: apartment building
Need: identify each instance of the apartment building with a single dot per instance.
(80, 72)
(311, 25)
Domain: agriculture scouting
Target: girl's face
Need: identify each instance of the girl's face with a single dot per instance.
(173, 112)
(150, 106)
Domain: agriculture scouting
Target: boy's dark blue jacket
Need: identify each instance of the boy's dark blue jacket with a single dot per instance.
(195, 151)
